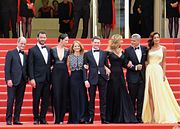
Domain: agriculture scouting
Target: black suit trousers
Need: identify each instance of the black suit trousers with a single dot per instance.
(102, 86)
(42, 92)
(84, 14)
(9, 16)
(136, 92)
(15, 93)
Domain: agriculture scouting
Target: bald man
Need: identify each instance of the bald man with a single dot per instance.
(16, 78)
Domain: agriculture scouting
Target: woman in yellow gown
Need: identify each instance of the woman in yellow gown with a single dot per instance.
(160, 105)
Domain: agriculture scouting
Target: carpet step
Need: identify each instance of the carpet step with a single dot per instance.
(49, 117)
(172, 80)
(3, 88)
(29, 110)
(96, 125)
(168, 52)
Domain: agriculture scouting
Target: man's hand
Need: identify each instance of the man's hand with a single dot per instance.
(174, 5)
(129, 65)
(9, 83)
(108, 71)
(33, 83)
(139, 67)
(86, 67)
(87, 84)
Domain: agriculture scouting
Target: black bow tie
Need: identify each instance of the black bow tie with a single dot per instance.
(96, 50)
(20, 51)
(136, 48)
(43, 47)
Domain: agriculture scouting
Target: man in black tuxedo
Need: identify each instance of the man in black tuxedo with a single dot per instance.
(135, 75)
(81, 10)
(96, 60)
(9, 15)
(39, 64)
(16, 78)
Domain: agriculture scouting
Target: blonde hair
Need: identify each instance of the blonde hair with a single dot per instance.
(81, 47)
(114, 42)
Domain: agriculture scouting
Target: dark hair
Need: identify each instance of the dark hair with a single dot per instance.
(150, 41)
(54, 1)
(40, 32)
(95, 37)
(62, 36)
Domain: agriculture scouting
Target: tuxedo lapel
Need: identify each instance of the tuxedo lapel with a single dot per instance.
(100, 56)
(17, 56)
(48, 50)
(134, 54)
(143, 51)
(40, 53)
(24, 59)
(91, 54)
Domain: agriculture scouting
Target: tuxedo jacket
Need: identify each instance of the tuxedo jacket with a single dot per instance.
(89, 60)
(80, 5)
(37, 67)
(6, 5)
(132, 75)
(14, 70)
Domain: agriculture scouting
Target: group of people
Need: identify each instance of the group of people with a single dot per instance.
(149, 98)
(11, 12)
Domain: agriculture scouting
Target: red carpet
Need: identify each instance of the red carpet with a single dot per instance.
(173, 74)
(95, 126)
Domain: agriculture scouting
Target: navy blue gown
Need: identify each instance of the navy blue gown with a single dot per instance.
(78, 92)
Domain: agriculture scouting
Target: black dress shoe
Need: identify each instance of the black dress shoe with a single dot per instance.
(140, 121)
(82, 122)
(8, 123)
(90, 121)
(36, 122)
(43, 122)
(104, 122)
(17, 123)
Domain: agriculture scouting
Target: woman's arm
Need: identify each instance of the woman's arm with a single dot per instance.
(164, 62)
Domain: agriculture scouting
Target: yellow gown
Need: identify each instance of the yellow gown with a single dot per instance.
(165, 108)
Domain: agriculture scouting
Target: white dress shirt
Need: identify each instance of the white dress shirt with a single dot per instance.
(96, 56)
(21, 56)
(139, 53)
(44, 52)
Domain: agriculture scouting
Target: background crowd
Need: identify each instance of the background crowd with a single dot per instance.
(69, 13)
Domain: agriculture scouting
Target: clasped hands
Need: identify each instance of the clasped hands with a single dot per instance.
(137, 67)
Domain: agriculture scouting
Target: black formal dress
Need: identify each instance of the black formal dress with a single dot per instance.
(78, 90)
(60, 79)
(39, 63)
(9, 13)
(147, 17)
(105, 11)
(65, 13)
(24, 11)
(119, 106)
(97, 78)
(136, 78)
(171, 12)
(17, 72)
